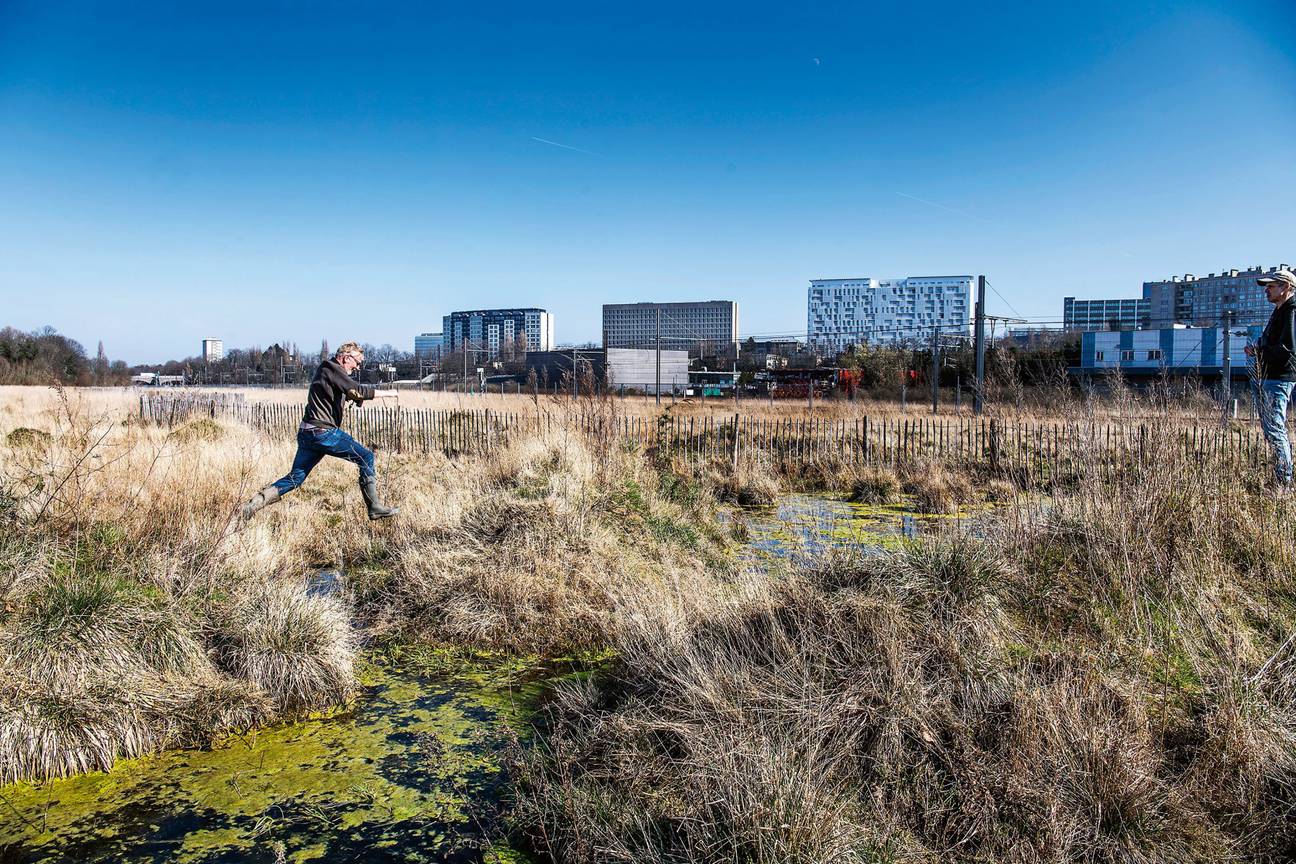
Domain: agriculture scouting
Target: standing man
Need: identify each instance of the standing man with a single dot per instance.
(320, 433)
(1275, 355)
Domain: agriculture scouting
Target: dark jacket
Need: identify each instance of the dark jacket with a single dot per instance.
(329, 389)
(1276, 347)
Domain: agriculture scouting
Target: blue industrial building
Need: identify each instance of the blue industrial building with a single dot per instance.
(1171, 351)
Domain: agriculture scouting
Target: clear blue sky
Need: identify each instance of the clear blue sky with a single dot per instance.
(274, 171)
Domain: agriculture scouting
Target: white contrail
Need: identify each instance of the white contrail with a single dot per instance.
(563, 146)
(930, 203)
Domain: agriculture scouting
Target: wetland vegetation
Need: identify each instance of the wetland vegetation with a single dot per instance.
(571, 650)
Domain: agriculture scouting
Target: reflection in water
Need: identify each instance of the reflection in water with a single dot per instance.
(803, 525)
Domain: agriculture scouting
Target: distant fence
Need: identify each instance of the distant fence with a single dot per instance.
(1034, 449)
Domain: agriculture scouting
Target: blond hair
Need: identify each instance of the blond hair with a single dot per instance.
(347, 348)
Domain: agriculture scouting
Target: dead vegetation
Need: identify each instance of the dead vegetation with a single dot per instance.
(1106, 675)
(136, 611)
(1106, 678)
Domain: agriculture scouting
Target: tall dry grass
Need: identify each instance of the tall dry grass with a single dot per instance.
(1105, 676)
(137, 612)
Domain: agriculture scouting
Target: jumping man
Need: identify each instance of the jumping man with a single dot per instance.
(320, 433)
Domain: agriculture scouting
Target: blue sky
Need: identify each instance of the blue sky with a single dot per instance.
(301, 171)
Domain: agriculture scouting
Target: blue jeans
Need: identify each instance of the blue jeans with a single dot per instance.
(1271, 399)
(315, 445)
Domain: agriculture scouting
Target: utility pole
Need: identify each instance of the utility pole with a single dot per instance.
(464, 347)
(658, 388)
(1226, 386)
(935, 368)
(978, 335)
(735, 373)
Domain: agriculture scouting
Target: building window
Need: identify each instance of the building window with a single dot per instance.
(1154, 354)
(1126, 354)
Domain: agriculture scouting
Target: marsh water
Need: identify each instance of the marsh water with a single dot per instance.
(808, 524)
(412, 772)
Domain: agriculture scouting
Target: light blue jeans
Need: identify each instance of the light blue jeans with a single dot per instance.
(1271, 398)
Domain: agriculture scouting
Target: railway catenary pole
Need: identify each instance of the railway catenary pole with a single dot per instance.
(658, 387)
(935, 368)
(978, 395)
(1226, 382)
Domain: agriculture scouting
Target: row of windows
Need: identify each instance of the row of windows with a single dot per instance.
(1127, 355)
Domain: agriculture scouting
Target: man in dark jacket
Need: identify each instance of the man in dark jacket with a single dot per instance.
(1275, 356)
(320, 433)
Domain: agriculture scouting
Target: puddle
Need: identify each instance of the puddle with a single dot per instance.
(802, 525)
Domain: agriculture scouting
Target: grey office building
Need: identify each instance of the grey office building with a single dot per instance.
(1203, 300)
(708, 327)
(1129, 313)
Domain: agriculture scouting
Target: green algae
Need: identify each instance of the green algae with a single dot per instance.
(411, 773)
(810, 523)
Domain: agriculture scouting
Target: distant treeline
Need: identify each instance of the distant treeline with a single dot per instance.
(45, 356)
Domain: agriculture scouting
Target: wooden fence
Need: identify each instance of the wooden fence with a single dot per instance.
(1036, 449)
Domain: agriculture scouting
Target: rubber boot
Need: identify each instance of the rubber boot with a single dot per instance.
(264, 498)
(377, 509)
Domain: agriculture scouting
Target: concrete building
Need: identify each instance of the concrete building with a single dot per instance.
(1176, 350)
(636, 369)
(1203, 300)
(1120, 314)
(490, 332)
(213, 350)
(428, 346)
(843, 312)
(708, 327)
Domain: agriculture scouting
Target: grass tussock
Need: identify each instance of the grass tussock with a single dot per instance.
(24, 437)
(876, 485)
(752, 482)
(297, 648)
(202, 429)
(1109, 678)
(94, 668)
(935, 488)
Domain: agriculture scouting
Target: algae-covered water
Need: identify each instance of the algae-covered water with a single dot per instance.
(808, 524)
(410, 773)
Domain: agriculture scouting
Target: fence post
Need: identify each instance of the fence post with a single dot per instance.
(994, 445)
(735, 441)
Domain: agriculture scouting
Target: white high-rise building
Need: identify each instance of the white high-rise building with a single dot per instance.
(213, 350)
(842, 312)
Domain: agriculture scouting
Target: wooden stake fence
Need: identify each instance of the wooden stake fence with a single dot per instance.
(1034, 450)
